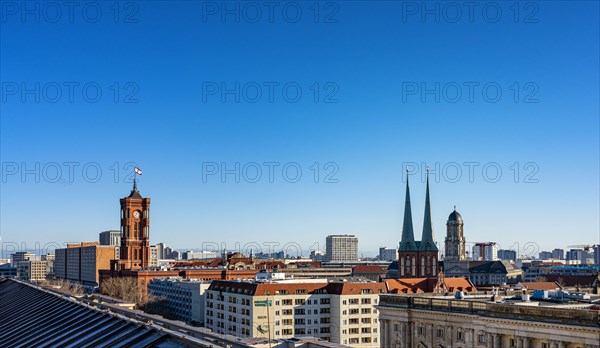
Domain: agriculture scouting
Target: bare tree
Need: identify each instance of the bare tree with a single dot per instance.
(126, 289)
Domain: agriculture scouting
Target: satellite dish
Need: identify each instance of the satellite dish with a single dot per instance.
(262, 328)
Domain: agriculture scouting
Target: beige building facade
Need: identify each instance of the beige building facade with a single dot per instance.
(339, 312)
(31, 270)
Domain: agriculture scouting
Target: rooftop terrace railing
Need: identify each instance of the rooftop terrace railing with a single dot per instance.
(506, 310)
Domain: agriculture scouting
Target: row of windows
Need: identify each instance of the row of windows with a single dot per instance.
(302, 321)
(364, 330)
(355, 340)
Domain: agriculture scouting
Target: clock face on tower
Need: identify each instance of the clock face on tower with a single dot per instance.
(136, 214)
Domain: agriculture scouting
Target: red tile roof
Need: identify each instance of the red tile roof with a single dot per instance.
(367, 269)
(269, 265)
(416, 285)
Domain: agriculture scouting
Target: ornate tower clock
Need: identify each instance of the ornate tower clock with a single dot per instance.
(135, 231)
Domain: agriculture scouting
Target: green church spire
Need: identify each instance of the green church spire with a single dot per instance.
(408, 237)
(427, 241)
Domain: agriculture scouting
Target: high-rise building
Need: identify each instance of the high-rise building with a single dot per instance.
(342, 312)
(545, 255)
(93, 259)
(60, 263)
(153, 256)
(22, 256)
(505, 254)
(597, 255)
(558, 254)
(341, 248)
(81, 262)
(485, 251)
(161, 251)
(577, 255)
(112, 237)
(417, 258)
(135, 232)
(388, 254)
(167, 253)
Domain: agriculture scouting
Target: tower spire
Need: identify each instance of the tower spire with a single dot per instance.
(427, 241)
(408, 237)
(134, 192)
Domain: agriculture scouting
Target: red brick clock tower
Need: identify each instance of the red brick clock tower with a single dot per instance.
(135, 231)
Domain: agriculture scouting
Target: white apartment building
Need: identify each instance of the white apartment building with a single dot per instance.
(338, 311)
(485, 251)
(154, 256)
(31, 270)
(182, 299)
(341, 248)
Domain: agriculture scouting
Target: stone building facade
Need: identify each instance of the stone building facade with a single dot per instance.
(426, 322)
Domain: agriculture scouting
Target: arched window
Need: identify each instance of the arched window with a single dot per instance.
(414, 267)
(422, 265)
(401, 266)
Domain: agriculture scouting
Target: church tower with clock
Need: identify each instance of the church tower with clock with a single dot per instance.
(135, 231)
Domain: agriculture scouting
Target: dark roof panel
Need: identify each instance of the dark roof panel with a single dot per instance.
(37, 318)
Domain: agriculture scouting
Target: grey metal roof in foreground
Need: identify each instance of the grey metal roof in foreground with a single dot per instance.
(30, 317)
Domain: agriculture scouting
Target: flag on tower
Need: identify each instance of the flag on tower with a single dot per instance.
(138, 171)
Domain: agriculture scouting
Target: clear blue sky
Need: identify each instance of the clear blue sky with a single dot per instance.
(369, 61)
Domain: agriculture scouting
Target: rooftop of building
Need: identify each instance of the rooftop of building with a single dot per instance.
(352, 286)
(367, 269)
(538, 285)
(422, 285)
(502, 266)
(574, 313)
